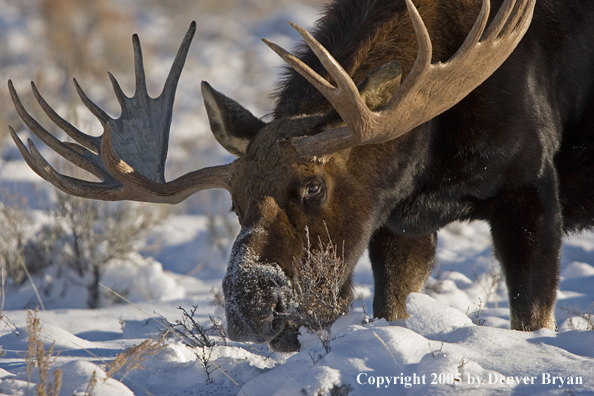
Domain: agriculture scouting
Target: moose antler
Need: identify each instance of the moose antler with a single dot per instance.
(129, 158)
(429, 89)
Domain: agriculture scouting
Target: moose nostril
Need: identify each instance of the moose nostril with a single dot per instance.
(280, 307)
(278, 324)
(279, 317)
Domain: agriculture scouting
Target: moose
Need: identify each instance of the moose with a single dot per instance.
(392, 121)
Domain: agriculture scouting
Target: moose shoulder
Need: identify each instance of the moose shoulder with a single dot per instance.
(377, 144)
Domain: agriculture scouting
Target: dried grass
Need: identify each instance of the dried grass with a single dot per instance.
(320, 279)
(576, 313)
(14, 224)
(133, 358)
(35, 356)
(318, 289)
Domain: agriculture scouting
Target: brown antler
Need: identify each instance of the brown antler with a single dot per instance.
(129, 158)
(429, 89)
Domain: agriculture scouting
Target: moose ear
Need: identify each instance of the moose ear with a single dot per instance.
(232, 125)
(379, 85)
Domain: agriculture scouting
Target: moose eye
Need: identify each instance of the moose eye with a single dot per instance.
(313, 189)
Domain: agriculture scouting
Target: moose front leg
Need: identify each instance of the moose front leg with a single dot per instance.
(527, 236)
(400, 266)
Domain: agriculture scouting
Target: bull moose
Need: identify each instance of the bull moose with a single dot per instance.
(375, 143)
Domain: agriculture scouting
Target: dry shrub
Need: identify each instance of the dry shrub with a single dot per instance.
(318, 289)
(319, 292)
(197, 336)
(14, 224)
(576, 313)
(217, 299)
(97, 232)
(36, 357)
(93, 382)
(82, 235)
(133, 358)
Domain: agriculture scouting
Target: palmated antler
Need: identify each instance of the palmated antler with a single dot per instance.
(429, 89)
(129, 158)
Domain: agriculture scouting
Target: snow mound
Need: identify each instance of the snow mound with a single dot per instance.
(429, 317)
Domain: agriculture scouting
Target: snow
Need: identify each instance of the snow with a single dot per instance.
(456, 340)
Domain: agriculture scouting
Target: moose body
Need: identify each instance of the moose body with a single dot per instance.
(517, 152)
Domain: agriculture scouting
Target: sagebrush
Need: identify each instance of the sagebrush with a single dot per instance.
(79, 235)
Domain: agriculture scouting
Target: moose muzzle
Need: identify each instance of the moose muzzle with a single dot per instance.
(258, 295)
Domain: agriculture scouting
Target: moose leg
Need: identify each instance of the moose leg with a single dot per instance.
(526, 228)
(400, 266)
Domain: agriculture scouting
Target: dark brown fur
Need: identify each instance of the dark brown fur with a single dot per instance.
(376, 31)
(518, 152)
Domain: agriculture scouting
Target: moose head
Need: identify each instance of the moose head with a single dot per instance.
(298, 183)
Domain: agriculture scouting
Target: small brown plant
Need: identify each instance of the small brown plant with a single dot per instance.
(572, 313)
(14, 223)
(319, 293)
(76, 26)
(491, 282)
(132, 359)
(477, 313)
(36, 357)
(196, 336)
(93, 382)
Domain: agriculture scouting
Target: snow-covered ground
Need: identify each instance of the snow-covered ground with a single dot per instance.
(456, 341)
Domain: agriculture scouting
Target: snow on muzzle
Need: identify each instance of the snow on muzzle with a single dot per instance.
(258, 295)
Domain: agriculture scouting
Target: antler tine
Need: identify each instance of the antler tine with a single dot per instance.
(425, 50)
(25, 153)
(77, 187)
(88, 141)
(139, 66)
(429, 89)
(178, 64)
(82, 161)
(130, 156)
(500, 20)
(343, 80)
(477, 29)
(344, 97)
(442, 85)
(39, 165)
(519, 21)
(307, 72)
(96, 110)
(120, 95)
